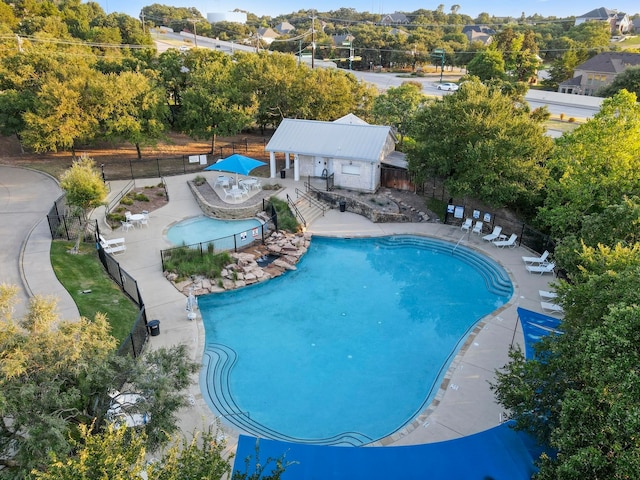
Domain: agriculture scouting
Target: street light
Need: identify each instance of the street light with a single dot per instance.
(102, 168)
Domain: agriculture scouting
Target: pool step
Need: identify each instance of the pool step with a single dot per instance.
(496, 278)
(218, 362)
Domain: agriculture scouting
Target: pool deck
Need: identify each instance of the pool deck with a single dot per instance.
(465, 404)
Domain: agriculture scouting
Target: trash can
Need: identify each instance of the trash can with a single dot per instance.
(343, 205)
(154, 327)
(283, 174)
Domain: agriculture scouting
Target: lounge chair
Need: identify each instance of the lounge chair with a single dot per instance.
(547, 295)
(477, 228)
(543, 268)
(511, 242)
(552, 308)
(536, 260)
(495, 235)
(467, 224)
(112, 242)
(113, 249)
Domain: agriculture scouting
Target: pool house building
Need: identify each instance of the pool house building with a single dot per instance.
(349, 149)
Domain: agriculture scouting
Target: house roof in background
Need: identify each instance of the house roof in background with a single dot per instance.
(330, 139)
(610, 62)
(599, 14)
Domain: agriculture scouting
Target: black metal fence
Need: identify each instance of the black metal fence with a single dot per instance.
(67, 227)
(133, 168)
(62, 224)
(527, 235)
(235, 242)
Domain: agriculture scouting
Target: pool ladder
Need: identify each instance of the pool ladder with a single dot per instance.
(458, 243)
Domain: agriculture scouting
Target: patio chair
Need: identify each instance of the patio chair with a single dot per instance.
(536, 260)
(467, 224)
(126, 226)
(495, 235)
(477, 228)
(511, 242)
(541, 269)
(227, 193)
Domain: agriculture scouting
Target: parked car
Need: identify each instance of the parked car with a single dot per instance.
(449, 87)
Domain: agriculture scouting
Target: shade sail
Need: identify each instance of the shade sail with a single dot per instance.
(236, 163)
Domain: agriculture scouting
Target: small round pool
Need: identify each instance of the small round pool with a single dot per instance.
(352, 345)
(205, 229)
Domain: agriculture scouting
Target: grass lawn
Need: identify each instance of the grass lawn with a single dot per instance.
(83, 272)
(561, 125)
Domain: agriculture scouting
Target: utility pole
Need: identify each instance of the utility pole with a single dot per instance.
(313, 38)
(195, 34)
(142, 18)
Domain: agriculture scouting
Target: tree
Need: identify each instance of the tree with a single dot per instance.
(628, 80)
(484, 144)
(137, 110)
(54, 377)
(579, 395)
(590, 170)
(397, 106)
(84, 189)
(213, 104)
(487, 65)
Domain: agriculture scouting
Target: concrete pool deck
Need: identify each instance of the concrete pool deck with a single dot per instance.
(465, 404)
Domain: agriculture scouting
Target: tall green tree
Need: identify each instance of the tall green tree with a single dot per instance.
(397, 106)
(594, 166)
(487, 65)
(213, 104)
(483, 143)
(137, 110)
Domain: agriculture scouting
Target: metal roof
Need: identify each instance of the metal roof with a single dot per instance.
(329, 139)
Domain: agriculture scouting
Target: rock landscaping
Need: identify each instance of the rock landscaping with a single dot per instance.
(287, 248)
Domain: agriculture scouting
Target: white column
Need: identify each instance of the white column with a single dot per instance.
(296, 168)
(272, 164)
(287, 162)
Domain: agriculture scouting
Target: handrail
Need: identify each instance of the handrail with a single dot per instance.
(296, 212)
(317, 203)
(120, 195)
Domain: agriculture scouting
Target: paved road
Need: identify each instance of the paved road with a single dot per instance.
(25, 199)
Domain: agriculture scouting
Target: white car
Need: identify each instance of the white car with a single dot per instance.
(449, 87)
(119, 413)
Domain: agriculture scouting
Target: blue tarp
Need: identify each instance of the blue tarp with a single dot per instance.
(535, 326)
(499, 453)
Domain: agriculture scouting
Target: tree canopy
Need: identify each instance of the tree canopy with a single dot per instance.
(483, 143)
(594, 166)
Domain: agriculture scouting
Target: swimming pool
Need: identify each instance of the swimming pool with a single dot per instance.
(352, 345)
(204, 229)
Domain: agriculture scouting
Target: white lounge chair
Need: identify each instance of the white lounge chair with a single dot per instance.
(112, 242)
(477, 228)
(544, 268)
(536, 260)
(552, 308)
(467, 224)
(497, 230)
(545, 295)
(511, 242)
(113, 249)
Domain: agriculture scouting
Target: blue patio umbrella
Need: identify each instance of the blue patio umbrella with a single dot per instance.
(236, 163)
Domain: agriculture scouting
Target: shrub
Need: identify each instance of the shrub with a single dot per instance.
(562, 116)
(199, 180)
(141, 197)
(571, 120)
(126, 201)
(187, 262)
(286, 220)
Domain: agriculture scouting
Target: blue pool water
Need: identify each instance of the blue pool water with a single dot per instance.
(204, 229)
(352, 345)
